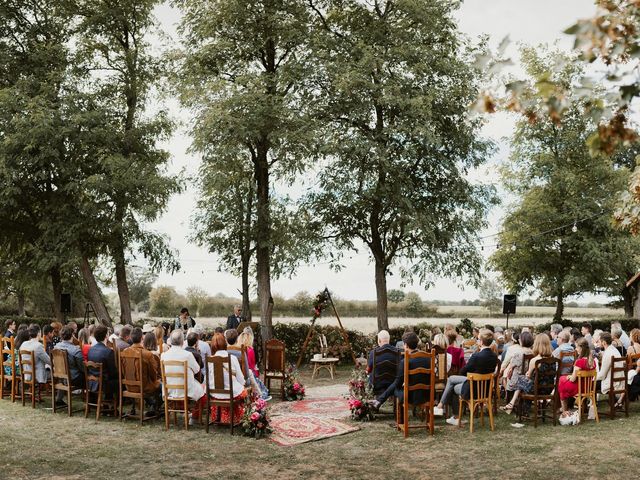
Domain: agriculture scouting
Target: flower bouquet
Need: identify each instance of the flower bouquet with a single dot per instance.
(255, 421)
(360, 394)
(293, 388)
(320, 303)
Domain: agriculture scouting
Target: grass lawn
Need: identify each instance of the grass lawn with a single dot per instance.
(37, 444)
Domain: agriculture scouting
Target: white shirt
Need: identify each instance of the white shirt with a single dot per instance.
(195, 389)
(604, 372)
(237, 376)
(205, 351)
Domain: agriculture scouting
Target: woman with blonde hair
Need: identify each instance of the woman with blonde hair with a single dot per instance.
(634, 345)
(159, 334)
(245, 339)
(440, 341)
(541, 349)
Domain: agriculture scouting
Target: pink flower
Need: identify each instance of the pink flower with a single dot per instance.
(296, 387)
(255, 416)
(260, 404)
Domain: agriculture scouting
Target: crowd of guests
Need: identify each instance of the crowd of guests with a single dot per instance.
(186, 341)
(517, 352)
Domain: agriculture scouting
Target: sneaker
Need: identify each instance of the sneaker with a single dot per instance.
(438, 412)
(267, 398)
(192, 421)
(452, 421)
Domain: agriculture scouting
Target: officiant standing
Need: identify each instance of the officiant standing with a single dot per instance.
(235, 318)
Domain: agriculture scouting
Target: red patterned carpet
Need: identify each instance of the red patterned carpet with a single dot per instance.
(308, 420)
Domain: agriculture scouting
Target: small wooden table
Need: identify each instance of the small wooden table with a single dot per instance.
(328, 363)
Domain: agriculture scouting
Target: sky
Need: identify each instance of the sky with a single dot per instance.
(530, 22)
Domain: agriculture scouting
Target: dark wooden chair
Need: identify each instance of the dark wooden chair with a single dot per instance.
(12, 363)
(586, 391)
(131, 384)
(176, 381)
(217, 365)
(383, 372)
(274, 364)
(618, 375)
(496, 387)
(523, 370)
(93, 373)
(61, 379)
(27, 361)
(481, 392)
(413, 385)
(545, 376)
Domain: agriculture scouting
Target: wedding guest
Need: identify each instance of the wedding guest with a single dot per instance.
(565, 347)
(195, 390)
(624, 338)
(616, 335)
(47, 334)
(245, 339)
(634, 344)
(441, 341)
(484, 361)
(609, 352)
(10, 328)
(124, 340)
(555, 329)
(41, 357)
(150, 344)
(410, 341)
(20, 337)
(515, 369)
(184, 321)
(586, 330)
(567, 386)
(192, 343)
(75, 362)
(238, 380)
(85, 342)
(100, 353)
(117, 329)
(150, 373)
(386, 353)
(162, 345)
(457, 353)
(203, 347)
(541, 349)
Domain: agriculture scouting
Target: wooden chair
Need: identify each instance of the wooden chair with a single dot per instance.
(243, 360)
(179, 381)
(523, 370)
(218, 365)
(61, 378)
(383, 372)
(618, 375)
(10, 361)
(93, 373)
(131, 384)
(496, 384)
(27, 361)
(481, 391)
(568, 365)
(402, 409)
(586, 391)
(545, 389)
(274, 364)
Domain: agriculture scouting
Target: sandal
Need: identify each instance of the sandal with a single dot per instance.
(508, 408)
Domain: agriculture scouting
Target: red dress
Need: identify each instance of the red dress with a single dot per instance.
(567, 388)
(85, 351)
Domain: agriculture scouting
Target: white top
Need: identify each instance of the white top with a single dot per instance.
(205, 351)
(237, 376)
(604, 372)
(195, 389)
(41, 357)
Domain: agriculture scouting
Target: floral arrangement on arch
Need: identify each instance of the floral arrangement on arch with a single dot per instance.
(255, 421)
(360, 395)
(320, 303)
(293, 388)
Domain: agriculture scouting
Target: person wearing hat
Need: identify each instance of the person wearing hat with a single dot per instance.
(184, 321)
(147, 327)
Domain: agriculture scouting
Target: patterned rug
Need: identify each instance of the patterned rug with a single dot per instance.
(307, 420)
(291, 430)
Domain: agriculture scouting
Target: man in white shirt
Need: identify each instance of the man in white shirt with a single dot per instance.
(203, 347)
(604, 374)
(624, 338)
(195, 390)
(41, 357)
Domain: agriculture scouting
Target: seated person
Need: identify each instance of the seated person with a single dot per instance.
(195, 390)
(484, 361)
(231, 336)
(223, 414)
(410, 341)
(42, 359)
(567, 385)
(192, 342)
(386, 353)
(457, 353)
(150, 374)
(100, 353)
(47, 334)
(124, 340)
(75, 361)
(563, 339)
(246, 339)
(604, 373)
(441, 341)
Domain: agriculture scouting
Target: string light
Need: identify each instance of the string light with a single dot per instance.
(574, 229)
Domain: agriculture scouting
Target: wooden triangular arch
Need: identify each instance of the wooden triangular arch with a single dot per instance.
(311, 332)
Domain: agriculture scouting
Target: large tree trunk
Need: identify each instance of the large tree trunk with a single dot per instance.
(381, 296)
(627, 300)
(21, 300)
(121, 280)
(557, 317)
(56, 283)
(95, 295)
(263, 238)
(246, 304)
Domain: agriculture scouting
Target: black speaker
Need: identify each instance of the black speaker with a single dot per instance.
(65, 302)
(509, 304)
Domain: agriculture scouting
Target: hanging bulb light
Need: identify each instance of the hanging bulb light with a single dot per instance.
(513, 248)
(574, 229)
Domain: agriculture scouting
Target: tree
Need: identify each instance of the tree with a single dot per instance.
(164, 301)
(141, 282)
(133, 186)
(244, 75)
(196, 298)
(396, 296)
(395, 82)
(558, 238)
(490, 295)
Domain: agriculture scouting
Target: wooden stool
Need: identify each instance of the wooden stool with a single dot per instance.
(327, 363)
